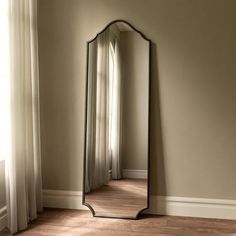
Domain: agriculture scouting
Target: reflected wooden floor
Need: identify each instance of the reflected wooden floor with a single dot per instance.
(125, 197)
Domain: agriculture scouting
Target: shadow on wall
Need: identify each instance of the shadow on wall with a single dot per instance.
(157, 164)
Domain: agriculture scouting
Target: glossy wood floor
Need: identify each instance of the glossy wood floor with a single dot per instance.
(81, 223)
(125, 197)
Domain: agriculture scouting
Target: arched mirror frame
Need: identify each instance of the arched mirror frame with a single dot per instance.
(85, 122)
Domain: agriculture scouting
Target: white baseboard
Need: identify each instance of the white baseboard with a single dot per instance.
(63, 199)
(134, 174)
(3, 218)
(193, 207)
(160, 205)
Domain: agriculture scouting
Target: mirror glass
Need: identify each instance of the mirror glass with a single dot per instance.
(117, 122)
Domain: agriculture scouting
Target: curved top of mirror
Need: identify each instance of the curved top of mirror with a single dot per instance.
(123, 25)
(116, 146)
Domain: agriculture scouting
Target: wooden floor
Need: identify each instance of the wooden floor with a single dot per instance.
(81, 223)
(125, 197)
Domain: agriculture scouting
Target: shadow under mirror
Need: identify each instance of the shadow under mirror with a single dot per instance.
(116, 163)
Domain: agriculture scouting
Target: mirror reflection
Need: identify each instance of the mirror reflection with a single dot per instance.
(117, 127)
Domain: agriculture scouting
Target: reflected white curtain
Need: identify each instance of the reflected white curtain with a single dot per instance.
(23, 166)
(97, 172)
(103, 112)
(115, 110)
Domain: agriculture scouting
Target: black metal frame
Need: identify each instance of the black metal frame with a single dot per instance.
(85, 124)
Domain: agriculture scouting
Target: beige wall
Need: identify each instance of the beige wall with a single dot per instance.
(2, 185)
(135, 67)
(193, 132)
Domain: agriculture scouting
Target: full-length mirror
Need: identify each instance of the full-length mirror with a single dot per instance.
(116, 151)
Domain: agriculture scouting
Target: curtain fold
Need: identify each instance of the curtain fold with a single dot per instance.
(115, 117)
(23, 166)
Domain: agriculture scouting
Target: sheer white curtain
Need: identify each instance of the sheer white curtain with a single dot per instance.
(23, 166)
(98, 114)
(4, 81)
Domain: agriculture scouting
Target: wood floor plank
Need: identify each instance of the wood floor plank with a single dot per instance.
(58, 222)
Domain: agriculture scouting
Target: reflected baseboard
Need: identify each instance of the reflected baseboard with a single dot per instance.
(159, 205)
(134, 174)
(3, 217)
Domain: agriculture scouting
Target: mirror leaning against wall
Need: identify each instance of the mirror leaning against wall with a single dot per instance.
(116, 152)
